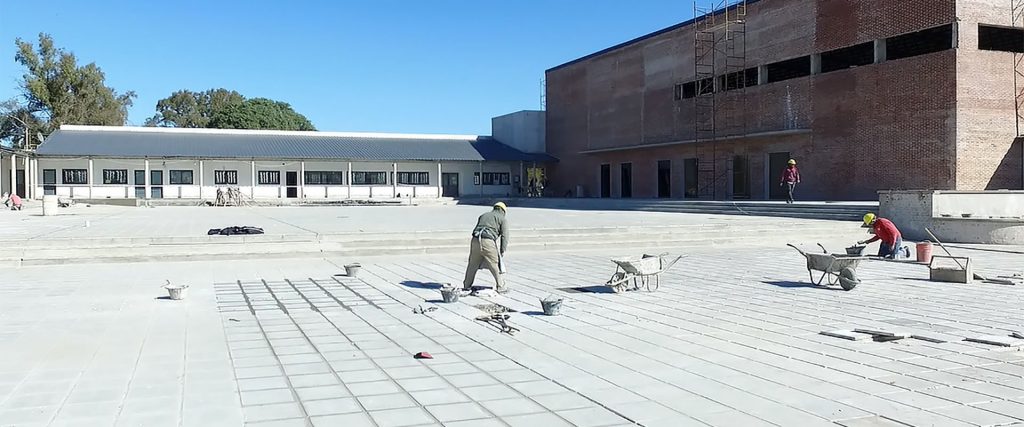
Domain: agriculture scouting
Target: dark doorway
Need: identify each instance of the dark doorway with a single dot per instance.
(626, 183)
(776, 164)
(156, 182)
(606, 181)
(690, 178)
(449, 185)
(140, 184)
(664, 179)
(740, 177)
(19, 187)
(291, 180)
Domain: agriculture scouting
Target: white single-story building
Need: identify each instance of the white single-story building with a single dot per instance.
(115, 162)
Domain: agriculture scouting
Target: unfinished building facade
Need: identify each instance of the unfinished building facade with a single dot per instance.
(866, 95)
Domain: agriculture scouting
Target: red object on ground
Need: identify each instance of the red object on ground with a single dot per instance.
(422, 355)
(924, 252)
(15, 200)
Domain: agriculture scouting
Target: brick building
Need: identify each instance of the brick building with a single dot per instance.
(865, 94)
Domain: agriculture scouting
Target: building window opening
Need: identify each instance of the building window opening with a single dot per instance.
(738, 80)
(686, 90)
(115, 176)
(919, 43)
(74, 176)
(325, 178)
(1000, 39)
(414, 178)
(704, 87)
(225, 177)
(789, 69)
(369, 178)
(180, 177)
(269, 177)
(848, 57)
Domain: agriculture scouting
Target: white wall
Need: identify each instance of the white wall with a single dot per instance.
(96, 188)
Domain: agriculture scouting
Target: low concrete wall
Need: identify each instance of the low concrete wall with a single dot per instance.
(996, 217)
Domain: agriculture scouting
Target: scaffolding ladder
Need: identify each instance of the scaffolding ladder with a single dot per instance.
(1017, 14)
(719, 65)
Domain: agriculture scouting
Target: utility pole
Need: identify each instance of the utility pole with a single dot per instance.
(24, 126)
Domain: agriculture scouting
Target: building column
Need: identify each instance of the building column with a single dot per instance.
(252, 174)
(147, 179)
(200, 179)
(349, 180)
(440, 182)
(880, 52)
(762, 74)
(302, 180)
(35, 178)
(282, 192)
(1, 175)
(92, 178)
(394, 180)
(816, 63)
(14, 172)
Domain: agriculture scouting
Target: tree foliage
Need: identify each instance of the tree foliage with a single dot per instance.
(260, 113)
(59, 91)
(188, 109)
(13, 119)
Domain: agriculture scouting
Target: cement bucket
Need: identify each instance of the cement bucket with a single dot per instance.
(551, 307)
(50, 205)
(177, 292)
(351, 270)
(449, 294)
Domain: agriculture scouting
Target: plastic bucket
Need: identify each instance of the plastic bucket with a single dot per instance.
(924, 252)
(551, 307)
(351, 270)
(177, 292)
(449, 294)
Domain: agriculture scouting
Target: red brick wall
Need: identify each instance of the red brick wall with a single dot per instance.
(986, 121)
(844, 23)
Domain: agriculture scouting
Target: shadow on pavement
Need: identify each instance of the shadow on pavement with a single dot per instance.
(422, 285)
(788, 284)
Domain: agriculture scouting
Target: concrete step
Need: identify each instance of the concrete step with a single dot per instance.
(245, 247)
(810, 210)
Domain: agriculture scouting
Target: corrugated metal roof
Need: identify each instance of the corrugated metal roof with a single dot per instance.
(126, 142)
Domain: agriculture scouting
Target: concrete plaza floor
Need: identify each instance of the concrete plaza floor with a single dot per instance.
(730, 339)
(171, 221)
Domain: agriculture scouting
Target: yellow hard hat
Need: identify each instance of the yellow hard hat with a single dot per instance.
(792, 162)
(501, 205)
(869, 218)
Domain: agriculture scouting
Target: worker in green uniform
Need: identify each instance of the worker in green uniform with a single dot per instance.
(484, 249)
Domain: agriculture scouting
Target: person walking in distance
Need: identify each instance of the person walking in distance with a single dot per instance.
(484, 250)
(790, 178)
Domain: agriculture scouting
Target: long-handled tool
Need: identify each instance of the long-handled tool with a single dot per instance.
(936, 239)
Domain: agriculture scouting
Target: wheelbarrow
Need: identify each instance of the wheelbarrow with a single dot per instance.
(644, 271)
(834, 268)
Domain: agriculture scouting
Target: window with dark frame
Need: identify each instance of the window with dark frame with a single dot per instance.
(225, 177)
(1001, 39)
(414, 178)
(115, 176)
(49, 176)
(140, 177)
(268, 177)
(180, 177)
(74, 176)
(918, 43)
(738, 79)
(325, 178)
(369, 178)
(496, 178)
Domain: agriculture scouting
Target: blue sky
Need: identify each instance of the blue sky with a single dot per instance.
(439, 66)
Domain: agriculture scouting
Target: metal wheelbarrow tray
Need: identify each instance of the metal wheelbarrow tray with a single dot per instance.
(836, 268)
(643, 271)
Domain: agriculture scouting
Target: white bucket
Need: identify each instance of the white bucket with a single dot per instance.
(50, 205)
(177, 292)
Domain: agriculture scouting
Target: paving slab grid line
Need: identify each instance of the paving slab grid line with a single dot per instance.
(731, 338)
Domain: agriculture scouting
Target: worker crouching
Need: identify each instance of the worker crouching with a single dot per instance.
(886, 231)
(485, 251)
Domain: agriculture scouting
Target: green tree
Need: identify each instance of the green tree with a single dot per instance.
(260, 113)
(187, 109)
(62, 92)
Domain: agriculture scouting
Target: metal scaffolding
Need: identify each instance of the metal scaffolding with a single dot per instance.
(720, 61)
(1017, 14)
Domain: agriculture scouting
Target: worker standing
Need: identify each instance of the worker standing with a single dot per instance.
(790, 178)
(484, 249)
(886, 231)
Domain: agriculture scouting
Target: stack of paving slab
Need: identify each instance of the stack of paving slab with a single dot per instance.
(632, 239)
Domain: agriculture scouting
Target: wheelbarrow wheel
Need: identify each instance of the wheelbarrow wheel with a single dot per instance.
(848, 279)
